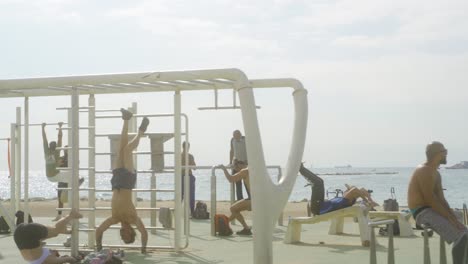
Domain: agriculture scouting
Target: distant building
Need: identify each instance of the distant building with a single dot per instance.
(461, 165)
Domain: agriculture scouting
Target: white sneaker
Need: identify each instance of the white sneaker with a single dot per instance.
(58, 217)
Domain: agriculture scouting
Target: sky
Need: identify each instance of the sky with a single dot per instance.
(384, 78)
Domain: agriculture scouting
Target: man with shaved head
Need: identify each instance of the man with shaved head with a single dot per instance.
(428, 205)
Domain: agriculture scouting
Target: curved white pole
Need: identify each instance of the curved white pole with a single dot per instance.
(269, 199)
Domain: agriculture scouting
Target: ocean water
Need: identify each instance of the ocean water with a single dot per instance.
(380, 180)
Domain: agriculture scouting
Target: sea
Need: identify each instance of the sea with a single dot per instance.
(379, 180)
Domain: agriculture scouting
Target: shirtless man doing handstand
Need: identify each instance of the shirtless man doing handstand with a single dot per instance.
(123, 181)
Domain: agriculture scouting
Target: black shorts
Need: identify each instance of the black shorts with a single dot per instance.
(61, 185)
(123, 179)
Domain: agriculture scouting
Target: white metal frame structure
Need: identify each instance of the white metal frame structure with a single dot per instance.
(269, 198)
(90, 230)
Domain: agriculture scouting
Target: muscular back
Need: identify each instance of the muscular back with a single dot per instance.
(122, 206)
(424, 184)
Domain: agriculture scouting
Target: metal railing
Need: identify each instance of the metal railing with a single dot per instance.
(373, 242)
(427, 253)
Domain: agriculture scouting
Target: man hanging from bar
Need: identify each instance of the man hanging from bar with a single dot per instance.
(53, 160)
(123, 181)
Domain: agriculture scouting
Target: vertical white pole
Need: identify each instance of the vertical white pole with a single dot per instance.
(153, 202)
(13, 140)
(18, 158)
(373, 253)
(187, 188)
(70, 156)
(92, 165)
(132, 127)
(280, 219)
(75, 143)
(391, 250)
(213, 200)
(177, 171)
(26, 158)
(233, 198)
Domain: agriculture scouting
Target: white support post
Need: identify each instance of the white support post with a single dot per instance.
(18, 158)
(26, 158)
(269, 198)
(280, 219)
(13, 140)
(233, 198)
(177, 171)
(70, 157)
(132, 128)
(187, 188)
(153, 220)
(75, 143)
(91, 173)
(213, 200)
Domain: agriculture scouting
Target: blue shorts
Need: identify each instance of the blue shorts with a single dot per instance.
(334, 204)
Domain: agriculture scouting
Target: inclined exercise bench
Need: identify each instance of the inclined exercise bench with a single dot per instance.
(293, 233)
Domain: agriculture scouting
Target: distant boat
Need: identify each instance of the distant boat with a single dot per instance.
(461, 165)
(343, 167)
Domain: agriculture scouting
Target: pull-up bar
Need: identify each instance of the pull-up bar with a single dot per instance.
(5, 139)
(139, 115)
(81, 107)
(47, 124)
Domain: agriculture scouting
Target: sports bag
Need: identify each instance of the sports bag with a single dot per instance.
(4, 227)
(222, 227)
(201, 211)
(391, 204)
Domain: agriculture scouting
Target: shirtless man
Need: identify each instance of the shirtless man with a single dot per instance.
(29, 240)
(123, 181)
(241, 205)
(428, 205)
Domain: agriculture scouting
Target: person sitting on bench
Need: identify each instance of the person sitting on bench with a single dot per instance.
(123, 181)
(318, 204)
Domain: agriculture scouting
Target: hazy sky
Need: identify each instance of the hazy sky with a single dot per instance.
(384, 77)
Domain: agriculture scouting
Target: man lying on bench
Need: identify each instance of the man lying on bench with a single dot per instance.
(318, 204)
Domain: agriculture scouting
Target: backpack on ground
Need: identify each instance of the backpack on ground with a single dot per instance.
(391, 204)
(165, 217)
(4, 227)
(20, 217)
(222, 227)
(201, 211)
